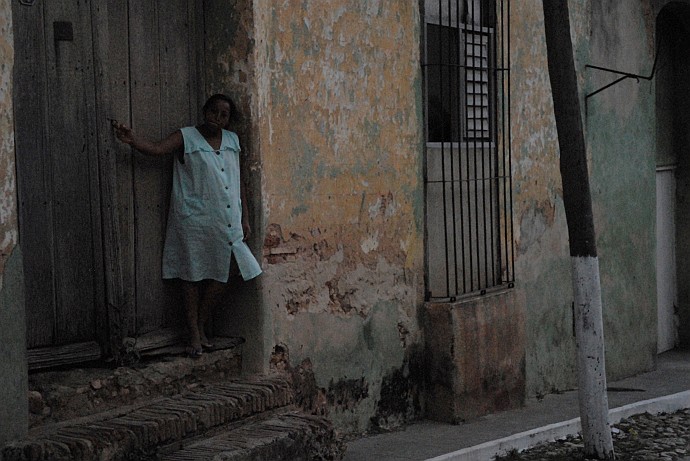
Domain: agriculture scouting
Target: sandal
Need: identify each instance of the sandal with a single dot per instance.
(194, 353)
(205, 343)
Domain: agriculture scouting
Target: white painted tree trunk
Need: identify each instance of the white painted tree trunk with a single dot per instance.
(577, 200)
(589, 332)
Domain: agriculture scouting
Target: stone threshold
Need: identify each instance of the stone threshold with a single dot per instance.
(60, 395)
(285, 435)
(137, 432)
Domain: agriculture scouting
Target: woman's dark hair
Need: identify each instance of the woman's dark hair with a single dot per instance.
(220, 97)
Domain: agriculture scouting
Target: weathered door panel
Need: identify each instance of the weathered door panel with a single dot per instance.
(73, 151)
(151, 177)
(117, 62)
(150, 50)
(163, 88)
(58, 172)
(33, 173)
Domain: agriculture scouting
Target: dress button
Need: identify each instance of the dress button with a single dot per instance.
(229, 225)
(217, 152)
(222, 169)
(228, 206)
(226, 187)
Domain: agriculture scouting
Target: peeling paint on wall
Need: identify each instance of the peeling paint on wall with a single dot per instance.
(400, 399)
(8, 194)
(620, 147)
(330, 97)
(534, 221)
(621, 129)
(338, 121)
(541, 264)
(315, 277)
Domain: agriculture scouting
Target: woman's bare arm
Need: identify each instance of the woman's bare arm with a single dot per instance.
(170, 144)
(246, 228)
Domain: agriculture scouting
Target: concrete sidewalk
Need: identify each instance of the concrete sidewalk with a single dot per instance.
(666, 389)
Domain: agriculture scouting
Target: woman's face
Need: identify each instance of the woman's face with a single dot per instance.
(217, 115)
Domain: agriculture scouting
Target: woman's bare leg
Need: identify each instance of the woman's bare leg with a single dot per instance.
(212, 294)
(190, 293)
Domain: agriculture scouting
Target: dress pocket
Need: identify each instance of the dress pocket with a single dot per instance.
(189, 207)
(198, 185)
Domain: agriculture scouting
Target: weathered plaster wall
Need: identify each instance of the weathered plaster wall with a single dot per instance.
(13, 366)
(620, 139)
(472, 368)
(542, 261)
(339, 121)
(8, 192)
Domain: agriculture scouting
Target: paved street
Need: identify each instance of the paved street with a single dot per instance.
(543, 418)
(638, 438)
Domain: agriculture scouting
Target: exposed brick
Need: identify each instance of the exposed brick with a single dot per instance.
(290, 435)
(169, 423)
(79, 447)
(138, 432)
(75, 393)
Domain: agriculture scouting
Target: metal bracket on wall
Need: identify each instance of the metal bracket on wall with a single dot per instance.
(624, 75)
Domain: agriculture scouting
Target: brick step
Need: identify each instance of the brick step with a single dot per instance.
(67, 394)
(137, 431)
(288, 435)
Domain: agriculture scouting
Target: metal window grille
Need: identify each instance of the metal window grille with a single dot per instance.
(466, 56)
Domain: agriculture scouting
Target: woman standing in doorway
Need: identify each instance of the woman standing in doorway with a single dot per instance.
(207, 222)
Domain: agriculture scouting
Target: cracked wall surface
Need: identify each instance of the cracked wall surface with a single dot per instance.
(330, 93)
(331, 97)
(542, 264)
(338, 114)
(8, 194)
(342, 196)
(619, 125)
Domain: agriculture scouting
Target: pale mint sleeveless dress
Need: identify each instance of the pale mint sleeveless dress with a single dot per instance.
(204, 228)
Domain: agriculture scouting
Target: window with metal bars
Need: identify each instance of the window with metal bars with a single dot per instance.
(468, 158)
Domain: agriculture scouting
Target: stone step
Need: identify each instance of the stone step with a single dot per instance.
(289, 435)
(136, 432)
(67, 394)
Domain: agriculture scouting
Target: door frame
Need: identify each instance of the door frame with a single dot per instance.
(667, 285)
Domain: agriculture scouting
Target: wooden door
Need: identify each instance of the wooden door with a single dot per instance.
(154, 72)
(87, 204)
(57, 171)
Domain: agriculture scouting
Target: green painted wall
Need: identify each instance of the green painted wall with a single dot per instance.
(620, 134)
(331, 97)
(542, 257)
(621, 137)
(342, 190)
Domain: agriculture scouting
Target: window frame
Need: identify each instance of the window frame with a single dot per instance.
(487, 262)
(492, 107)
